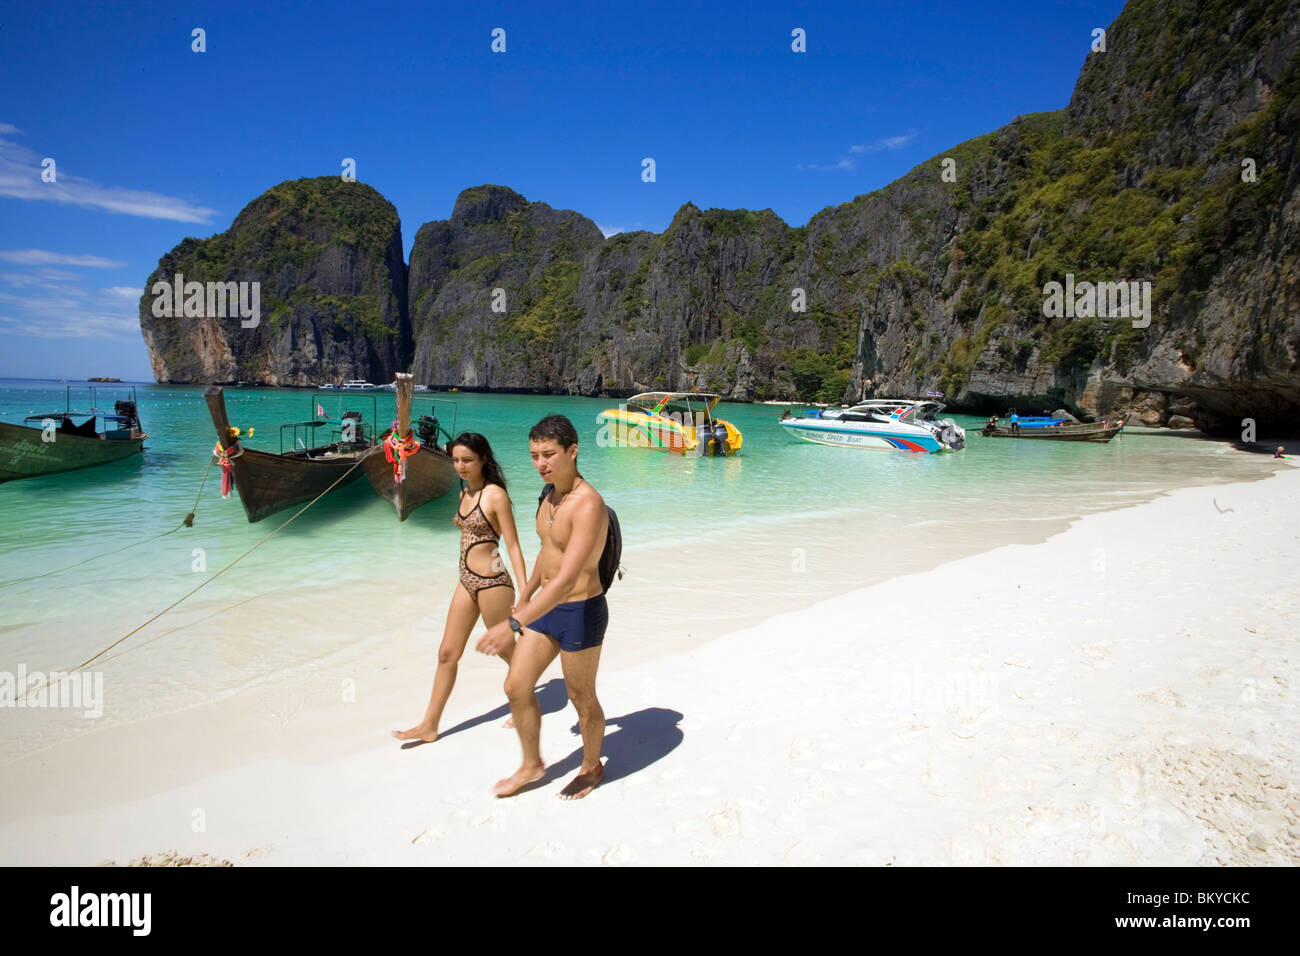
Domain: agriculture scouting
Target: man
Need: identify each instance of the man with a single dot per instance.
(567, 616)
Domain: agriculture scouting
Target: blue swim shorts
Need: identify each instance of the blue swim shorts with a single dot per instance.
(577, 625)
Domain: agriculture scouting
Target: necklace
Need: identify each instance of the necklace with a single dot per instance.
(555, 508)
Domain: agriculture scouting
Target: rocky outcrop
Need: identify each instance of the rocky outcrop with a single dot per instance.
(492, 292)
(327, 257)
(1174, 165)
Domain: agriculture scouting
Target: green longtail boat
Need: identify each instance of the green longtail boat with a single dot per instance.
(54, 442)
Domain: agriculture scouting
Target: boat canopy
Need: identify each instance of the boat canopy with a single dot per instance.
(664, 403)
(123, 410)
(908, 409)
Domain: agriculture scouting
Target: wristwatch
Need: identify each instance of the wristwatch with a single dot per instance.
(516, 627)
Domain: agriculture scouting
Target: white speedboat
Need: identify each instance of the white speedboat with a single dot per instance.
(880, 423)
(356, 385)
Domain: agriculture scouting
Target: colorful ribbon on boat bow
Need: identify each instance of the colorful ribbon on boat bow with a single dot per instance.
(396, 450)
(224, 455)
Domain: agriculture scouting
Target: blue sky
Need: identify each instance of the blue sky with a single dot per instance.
(154, 142)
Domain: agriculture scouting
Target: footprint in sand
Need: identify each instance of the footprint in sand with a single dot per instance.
(1098, 652)
(618, 855)
(809, 797)
(1163, 695)
(933, 782)
(547, 850)
(793, 821)
(1129, 780)
(736, 729)
(726, 821)
(429, 835)
(968, 852)
(703, 851)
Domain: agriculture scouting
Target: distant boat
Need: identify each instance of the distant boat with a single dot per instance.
(1052, 429)
(410, 471)
(99, 379)
(268, 482)
(29, 451)
(356, 385)
(880, 423)
(680, 422)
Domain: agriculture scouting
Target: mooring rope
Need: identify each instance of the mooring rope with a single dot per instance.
(223, 570)
(186, 522)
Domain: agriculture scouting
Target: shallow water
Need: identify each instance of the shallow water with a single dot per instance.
(710, 544)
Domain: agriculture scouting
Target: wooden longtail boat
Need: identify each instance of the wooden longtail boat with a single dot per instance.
(46, 448)
(410, 471)
(268, 482)
(1053, 429)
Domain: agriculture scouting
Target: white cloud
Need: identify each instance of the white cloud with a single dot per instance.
(72, 313)
(42, 278)
(848, 163)
(844, 163)
(41, 257)
(81, 325)
(894, 142)
(8, 129)
(128, 292)
(20, 178)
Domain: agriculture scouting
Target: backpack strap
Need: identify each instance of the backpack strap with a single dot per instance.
(546, 490)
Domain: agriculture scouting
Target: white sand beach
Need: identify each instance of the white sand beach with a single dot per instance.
(1122, 693)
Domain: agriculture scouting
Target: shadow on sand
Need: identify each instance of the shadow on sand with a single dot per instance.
(552, 697)
(642, 737)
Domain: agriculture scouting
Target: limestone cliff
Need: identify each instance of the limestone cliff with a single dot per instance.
(328, 257)
(1173, 164)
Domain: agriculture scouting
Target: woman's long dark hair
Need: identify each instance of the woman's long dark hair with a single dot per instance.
(479, 446)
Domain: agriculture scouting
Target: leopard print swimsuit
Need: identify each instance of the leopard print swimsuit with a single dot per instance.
(476, 530)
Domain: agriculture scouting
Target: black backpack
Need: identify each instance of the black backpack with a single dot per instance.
(609, 567)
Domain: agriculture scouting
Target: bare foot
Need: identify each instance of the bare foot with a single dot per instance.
(419, 732)
(518, 780)
(509, 724)
(583, 783)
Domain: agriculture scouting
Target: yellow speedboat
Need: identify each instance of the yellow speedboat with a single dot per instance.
(681, 422)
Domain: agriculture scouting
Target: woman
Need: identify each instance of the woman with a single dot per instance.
(485, 588)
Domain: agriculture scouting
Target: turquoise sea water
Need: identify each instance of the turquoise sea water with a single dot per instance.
(719, 539)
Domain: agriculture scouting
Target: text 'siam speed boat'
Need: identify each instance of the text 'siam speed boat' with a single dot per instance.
(880, 423)
(680, 422)
(268, 482)
(50, 443)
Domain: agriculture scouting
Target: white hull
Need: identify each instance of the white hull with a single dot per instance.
(844, 439)
(880, 423)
